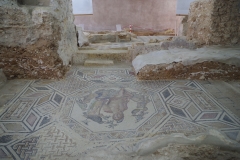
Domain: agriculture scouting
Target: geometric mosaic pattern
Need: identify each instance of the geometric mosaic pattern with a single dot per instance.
(195, 109)
(100, 105)
(26, 148)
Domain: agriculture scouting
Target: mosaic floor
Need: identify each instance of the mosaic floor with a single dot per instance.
(103, 107)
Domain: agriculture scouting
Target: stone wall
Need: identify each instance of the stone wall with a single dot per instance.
(34, 2)
(214, 21)
(36, 41)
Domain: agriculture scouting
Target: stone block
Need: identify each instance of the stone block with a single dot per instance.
(179, 42)
(82, 39)
(3, 78)
(101, 38)
(234, 40)
(123, 37)
(141, 48)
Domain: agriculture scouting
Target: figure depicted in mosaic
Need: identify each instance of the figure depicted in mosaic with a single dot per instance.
(98, 106)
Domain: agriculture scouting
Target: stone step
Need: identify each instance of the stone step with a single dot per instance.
(114, 55)
(107, 51)
(100, 38)
(98, 62)
(106, 47)
(109, 37)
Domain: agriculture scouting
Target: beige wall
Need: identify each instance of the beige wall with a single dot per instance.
(153, 14)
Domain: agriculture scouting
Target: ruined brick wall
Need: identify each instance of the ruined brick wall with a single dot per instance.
(214, 22)
(36, 41)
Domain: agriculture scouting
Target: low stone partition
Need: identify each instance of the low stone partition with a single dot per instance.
(165, 44)
(141, 48)
(178, 42)
(216, 63)
(110, 37)
(203, 71)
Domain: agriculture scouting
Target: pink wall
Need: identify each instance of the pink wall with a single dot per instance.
(149, 14)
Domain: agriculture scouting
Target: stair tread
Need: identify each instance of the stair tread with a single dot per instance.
(112, 51)
(98, 62)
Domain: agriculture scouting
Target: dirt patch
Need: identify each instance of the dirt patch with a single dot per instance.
(203, 71)
(167, 32)
(193, 152)
(39, 60)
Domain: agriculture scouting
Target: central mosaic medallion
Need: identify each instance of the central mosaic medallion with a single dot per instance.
(112, 112)
(114, 108)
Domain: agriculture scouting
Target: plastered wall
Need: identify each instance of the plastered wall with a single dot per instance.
(146, 14)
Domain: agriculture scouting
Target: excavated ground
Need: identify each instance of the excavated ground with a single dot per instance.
(39, 61)
(193, 152)
(176, 152)
(211, 62)
(203, 71)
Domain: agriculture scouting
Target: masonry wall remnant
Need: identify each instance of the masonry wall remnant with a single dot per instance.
(36, 41)
(214, 22)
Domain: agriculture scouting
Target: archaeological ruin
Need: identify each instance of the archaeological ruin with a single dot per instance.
(111, 79)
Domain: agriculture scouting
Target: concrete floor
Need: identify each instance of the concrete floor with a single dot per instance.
(108, 109)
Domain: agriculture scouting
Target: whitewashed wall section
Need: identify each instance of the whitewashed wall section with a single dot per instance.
(183, 7)
(82, 7)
